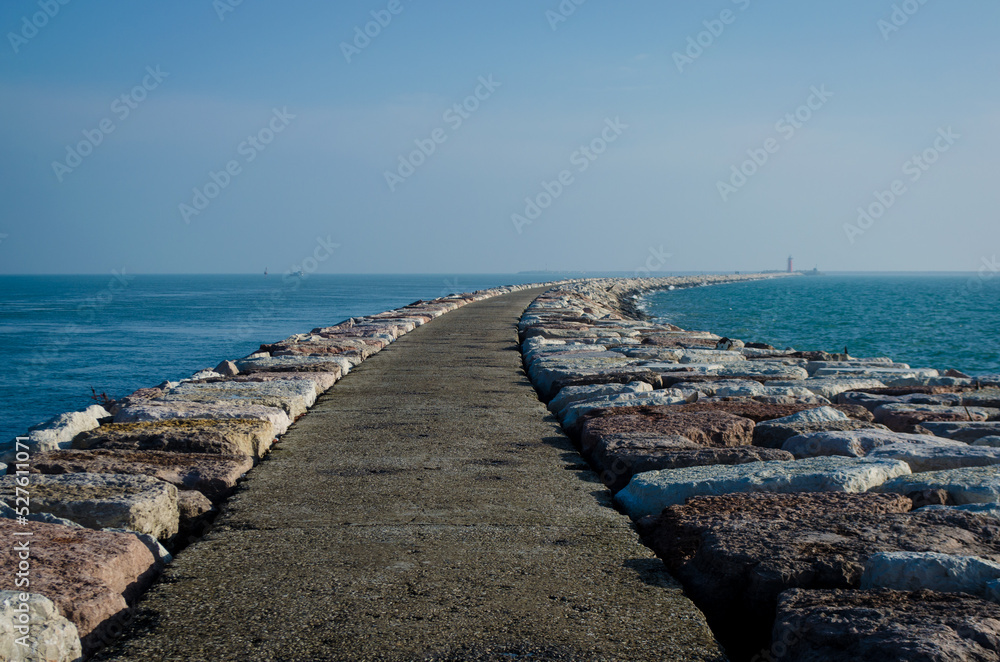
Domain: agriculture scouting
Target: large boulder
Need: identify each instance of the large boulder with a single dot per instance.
(571, 394)
(91, 576)
(884, 626)
(735, 556)
(961, 431)
(231, 436)
(294, 397)
(933, 571)
(905, 417)
(33, 630)
(155, 412)
(968, 485)
(321, 381)
(856, 443)
(214, 476)
(710, 428)
(620, 457)
(651, 492)
(830, 387)
(938, 457)
(99, 501)
(59, 432)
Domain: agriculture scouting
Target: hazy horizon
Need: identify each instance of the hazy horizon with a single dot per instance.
(566, 136)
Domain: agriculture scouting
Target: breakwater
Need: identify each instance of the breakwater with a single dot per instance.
(98, 500)
(814, 505)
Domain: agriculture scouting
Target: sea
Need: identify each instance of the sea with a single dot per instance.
(64, 339)
(942, 321)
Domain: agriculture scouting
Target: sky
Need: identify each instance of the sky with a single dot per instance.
(411, 136)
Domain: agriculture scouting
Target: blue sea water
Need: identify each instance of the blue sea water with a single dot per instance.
(932, 321)
(60, 336)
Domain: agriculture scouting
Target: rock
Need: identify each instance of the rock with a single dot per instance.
(710, 356)
(214, 476)
(889, 376)
(172, 411)
(885, 626)
(736, 388)
(99, 501)
(321, 381)
(202, 375)
(571, 394)
(296, 364)
(771, 434)
(727, 344)
(48, 518)
(158, 551)
(989, 442)
(50, 636)
(574, 412)
(711, 428)
(969, 485)
(962, 431)
(59, 432)
(649, 493)
(989, 509)
(734, 557)
(91, 576)
(227, 369)
(196, 512)
(938, 457)
(856, 443)
(220, 437)
(933, 571)
(294, 397)
(905, 417)
(830, 387)
(619, 457)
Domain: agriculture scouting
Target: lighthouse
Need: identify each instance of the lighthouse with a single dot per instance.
(790, 269)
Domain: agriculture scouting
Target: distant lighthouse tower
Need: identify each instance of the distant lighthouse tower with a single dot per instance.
(790, 269)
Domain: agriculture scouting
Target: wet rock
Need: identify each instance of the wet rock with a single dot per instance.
(220, 437)
(885, 626)
(915, 571)
(969, 485)
(91, 576)
(50, 636)
(709, 428)
(857, 443)
(967, 432)
(154, 412)
(98, 501)
(214, 476)
(649, 493)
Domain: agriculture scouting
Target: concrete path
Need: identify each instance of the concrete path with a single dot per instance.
(427, 508)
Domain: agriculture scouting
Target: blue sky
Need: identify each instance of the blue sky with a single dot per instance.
(664, 184)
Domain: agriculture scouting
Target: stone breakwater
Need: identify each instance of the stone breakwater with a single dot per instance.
(815, 506)
(95, 502)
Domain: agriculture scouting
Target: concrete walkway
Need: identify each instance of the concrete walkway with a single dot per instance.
(427, 508)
